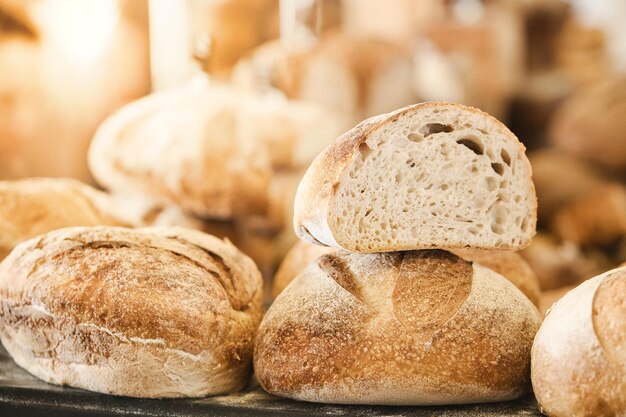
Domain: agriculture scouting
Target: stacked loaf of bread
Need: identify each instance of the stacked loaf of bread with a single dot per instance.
(390, 314)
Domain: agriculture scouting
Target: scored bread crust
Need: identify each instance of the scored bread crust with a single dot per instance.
(154, 312)
(508, 264)
(314, 217)
(579, 353)
(412, 328)
(33, 206)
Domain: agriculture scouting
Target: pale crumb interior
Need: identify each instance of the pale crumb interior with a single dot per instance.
(436, 178)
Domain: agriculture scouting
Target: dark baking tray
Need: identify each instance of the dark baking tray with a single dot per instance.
(24, 395)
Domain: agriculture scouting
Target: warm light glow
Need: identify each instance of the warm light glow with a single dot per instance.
(81, 29)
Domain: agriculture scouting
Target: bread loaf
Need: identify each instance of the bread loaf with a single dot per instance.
(579, 354)
(186, 146)
(154, 312)
(597, 218)
(432, 175)
(591, 124)
(420, 327)
(38, 205)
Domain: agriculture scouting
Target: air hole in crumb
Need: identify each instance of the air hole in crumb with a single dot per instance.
(414, 137)
(411, 163)
(517, 199)
(368, 212)
(524, 225)
(473, 144)
(505, 157)
(431, 128)
(498, 168)
(365, 150)
(497, 229)
(474, 169)
(491, 183)
(444, 187)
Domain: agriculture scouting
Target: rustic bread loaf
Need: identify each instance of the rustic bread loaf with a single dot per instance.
(154, 312)
(508, 264)
(186, 146)
(38, 205)
(432, 175)
(596, 218)
(591, 124)
(417, 327)
(579, 354)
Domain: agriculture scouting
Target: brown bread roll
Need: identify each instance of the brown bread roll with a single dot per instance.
(154, 312)
(579, 354)
(33, 206)
(374, 329)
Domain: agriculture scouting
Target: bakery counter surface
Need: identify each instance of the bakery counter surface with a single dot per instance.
(21, 394)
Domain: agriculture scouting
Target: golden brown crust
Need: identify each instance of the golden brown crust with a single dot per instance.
(508, 264)
(30, 207)
(356, 328)
(179, 289)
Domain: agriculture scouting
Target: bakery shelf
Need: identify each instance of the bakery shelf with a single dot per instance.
(21, 394)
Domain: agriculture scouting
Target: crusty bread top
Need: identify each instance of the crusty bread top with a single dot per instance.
(160, 284)
(186, 146)
(33, 206)
(511, 210)
(510, 265)
(396, 328)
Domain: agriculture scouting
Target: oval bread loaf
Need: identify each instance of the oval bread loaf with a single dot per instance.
(579, 354)
(154, 312)
(432, 175)
(420, 327)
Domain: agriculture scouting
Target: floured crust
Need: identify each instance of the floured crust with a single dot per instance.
(186, 146)
(154, 312)
(33, 206)
(578, 357)
(383, 329)
(314, 204)
(508, 264)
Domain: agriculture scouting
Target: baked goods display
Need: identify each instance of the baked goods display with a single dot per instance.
(154, 312)
(367, 190)
(30, 207)
(325, 161)
(578, 362)
(379, 326)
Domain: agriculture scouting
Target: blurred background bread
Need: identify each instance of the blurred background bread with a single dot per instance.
(30, 207)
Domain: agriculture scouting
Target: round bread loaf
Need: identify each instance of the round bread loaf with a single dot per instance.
(33, 206)
(414, 328)
(579, 354)
(154, 312)
(508, 264)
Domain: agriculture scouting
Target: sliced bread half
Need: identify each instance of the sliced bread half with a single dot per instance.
(431, 175)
